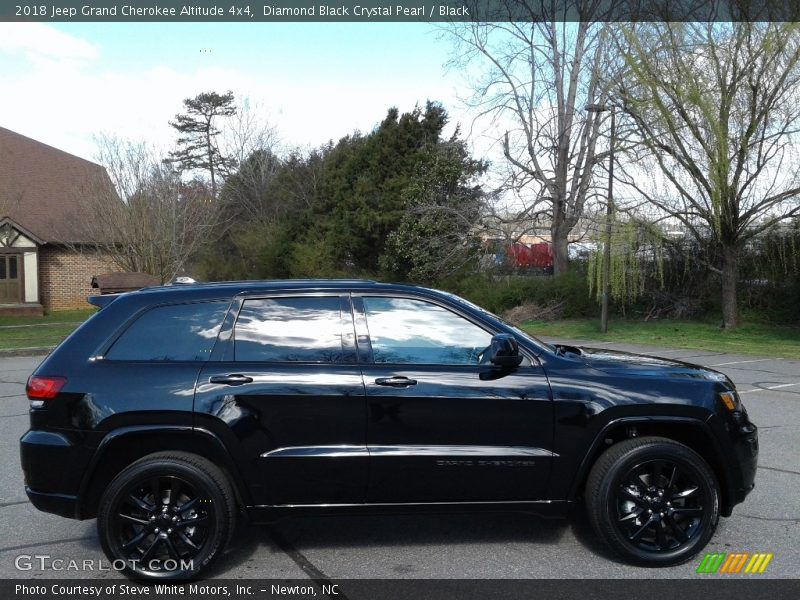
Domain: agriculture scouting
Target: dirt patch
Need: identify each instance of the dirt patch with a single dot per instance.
(530, 311)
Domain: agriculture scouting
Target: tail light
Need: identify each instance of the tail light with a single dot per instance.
(40, 389)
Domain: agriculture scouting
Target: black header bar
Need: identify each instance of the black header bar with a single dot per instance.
(733, 588)
(210, 11)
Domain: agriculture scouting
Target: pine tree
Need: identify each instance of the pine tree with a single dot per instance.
(197, 148)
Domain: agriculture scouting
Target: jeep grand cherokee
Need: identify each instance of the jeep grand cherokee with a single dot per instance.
(174, 411)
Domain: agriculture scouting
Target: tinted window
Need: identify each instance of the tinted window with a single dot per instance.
(177, 332)
(289, 330)
(412, 331)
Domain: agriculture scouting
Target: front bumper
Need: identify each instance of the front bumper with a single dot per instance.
(744, 463)
(746, 449)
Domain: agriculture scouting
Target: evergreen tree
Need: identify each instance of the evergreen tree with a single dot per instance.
(197, 132)
(361, 199)
(437, 234)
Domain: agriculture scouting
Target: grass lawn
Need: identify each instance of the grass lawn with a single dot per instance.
(28, 332)
(750, 338)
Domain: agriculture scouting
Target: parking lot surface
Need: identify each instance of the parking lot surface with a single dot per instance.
(443, 546)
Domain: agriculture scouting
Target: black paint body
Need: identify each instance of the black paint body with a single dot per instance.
(305, 436)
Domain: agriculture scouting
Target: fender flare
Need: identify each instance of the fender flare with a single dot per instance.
(702, 425)
(130, 433)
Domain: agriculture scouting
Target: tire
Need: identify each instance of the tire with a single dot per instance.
(654, 501)
(169, 505)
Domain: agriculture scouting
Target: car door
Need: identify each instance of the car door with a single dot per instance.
(289, 390)
(441, 426)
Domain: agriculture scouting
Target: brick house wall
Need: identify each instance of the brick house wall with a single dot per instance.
(65, 276)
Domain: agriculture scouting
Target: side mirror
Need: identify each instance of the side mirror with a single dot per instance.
(504, 351)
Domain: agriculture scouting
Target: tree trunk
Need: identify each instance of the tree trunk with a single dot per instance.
(560, 249)
(211, 164)
(730, 274)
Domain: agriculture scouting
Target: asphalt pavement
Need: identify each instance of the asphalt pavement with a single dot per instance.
(495, 546)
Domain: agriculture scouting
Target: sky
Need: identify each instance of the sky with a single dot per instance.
(64, 83)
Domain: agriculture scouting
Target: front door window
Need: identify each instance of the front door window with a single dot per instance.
(407, 331)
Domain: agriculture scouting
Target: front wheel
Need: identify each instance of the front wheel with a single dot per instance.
(654, 501)
(166, 516)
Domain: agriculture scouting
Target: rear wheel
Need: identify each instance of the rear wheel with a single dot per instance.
(166, 516)
(653, 500)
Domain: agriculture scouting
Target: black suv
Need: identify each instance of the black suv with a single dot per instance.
(176, 410)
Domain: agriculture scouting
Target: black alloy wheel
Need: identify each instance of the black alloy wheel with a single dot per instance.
(653, 500)
(167, 516)
(660, 506)
(161, 518)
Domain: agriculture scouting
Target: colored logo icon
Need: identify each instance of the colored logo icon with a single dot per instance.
(736, 562)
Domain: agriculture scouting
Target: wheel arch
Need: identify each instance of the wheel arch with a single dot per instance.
(122, 447)
(689, 431)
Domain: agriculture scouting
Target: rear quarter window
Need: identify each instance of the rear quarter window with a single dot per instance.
(179, 332)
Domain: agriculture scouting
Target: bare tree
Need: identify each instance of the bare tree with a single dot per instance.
(717, 109)
(248, 192)
(251, 144)
(269, 188)
(142, 216)
(536, 80)
(245, 132)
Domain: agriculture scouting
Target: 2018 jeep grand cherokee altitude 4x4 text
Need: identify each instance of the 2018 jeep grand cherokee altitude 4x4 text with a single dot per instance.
(176, 410)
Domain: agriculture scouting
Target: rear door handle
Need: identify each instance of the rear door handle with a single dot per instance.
(396, 381)
(233, 379)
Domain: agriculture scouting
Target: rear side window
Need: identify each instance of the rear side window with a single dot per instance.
(289, 330)
(179, 332)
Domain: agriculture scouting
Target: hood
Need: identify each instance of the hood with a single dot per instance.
(627, 363)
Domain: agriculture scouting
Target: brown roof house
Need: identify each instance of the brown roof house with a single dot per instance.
(42, 190)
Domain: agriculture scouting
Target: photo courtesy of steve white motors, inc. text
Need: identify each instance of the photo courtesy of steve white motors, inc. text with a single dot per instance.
(421, 11)
(194, 590)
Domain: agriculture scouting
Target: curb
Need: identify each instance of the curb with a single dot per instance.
(31, 351)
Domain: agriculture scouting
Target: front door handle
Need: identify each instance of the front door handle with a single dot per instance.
(396, 381)
(233, 379)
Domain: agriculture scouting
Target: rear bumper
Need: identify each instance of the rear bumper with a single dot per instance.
(49, 463)
(58, 504)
